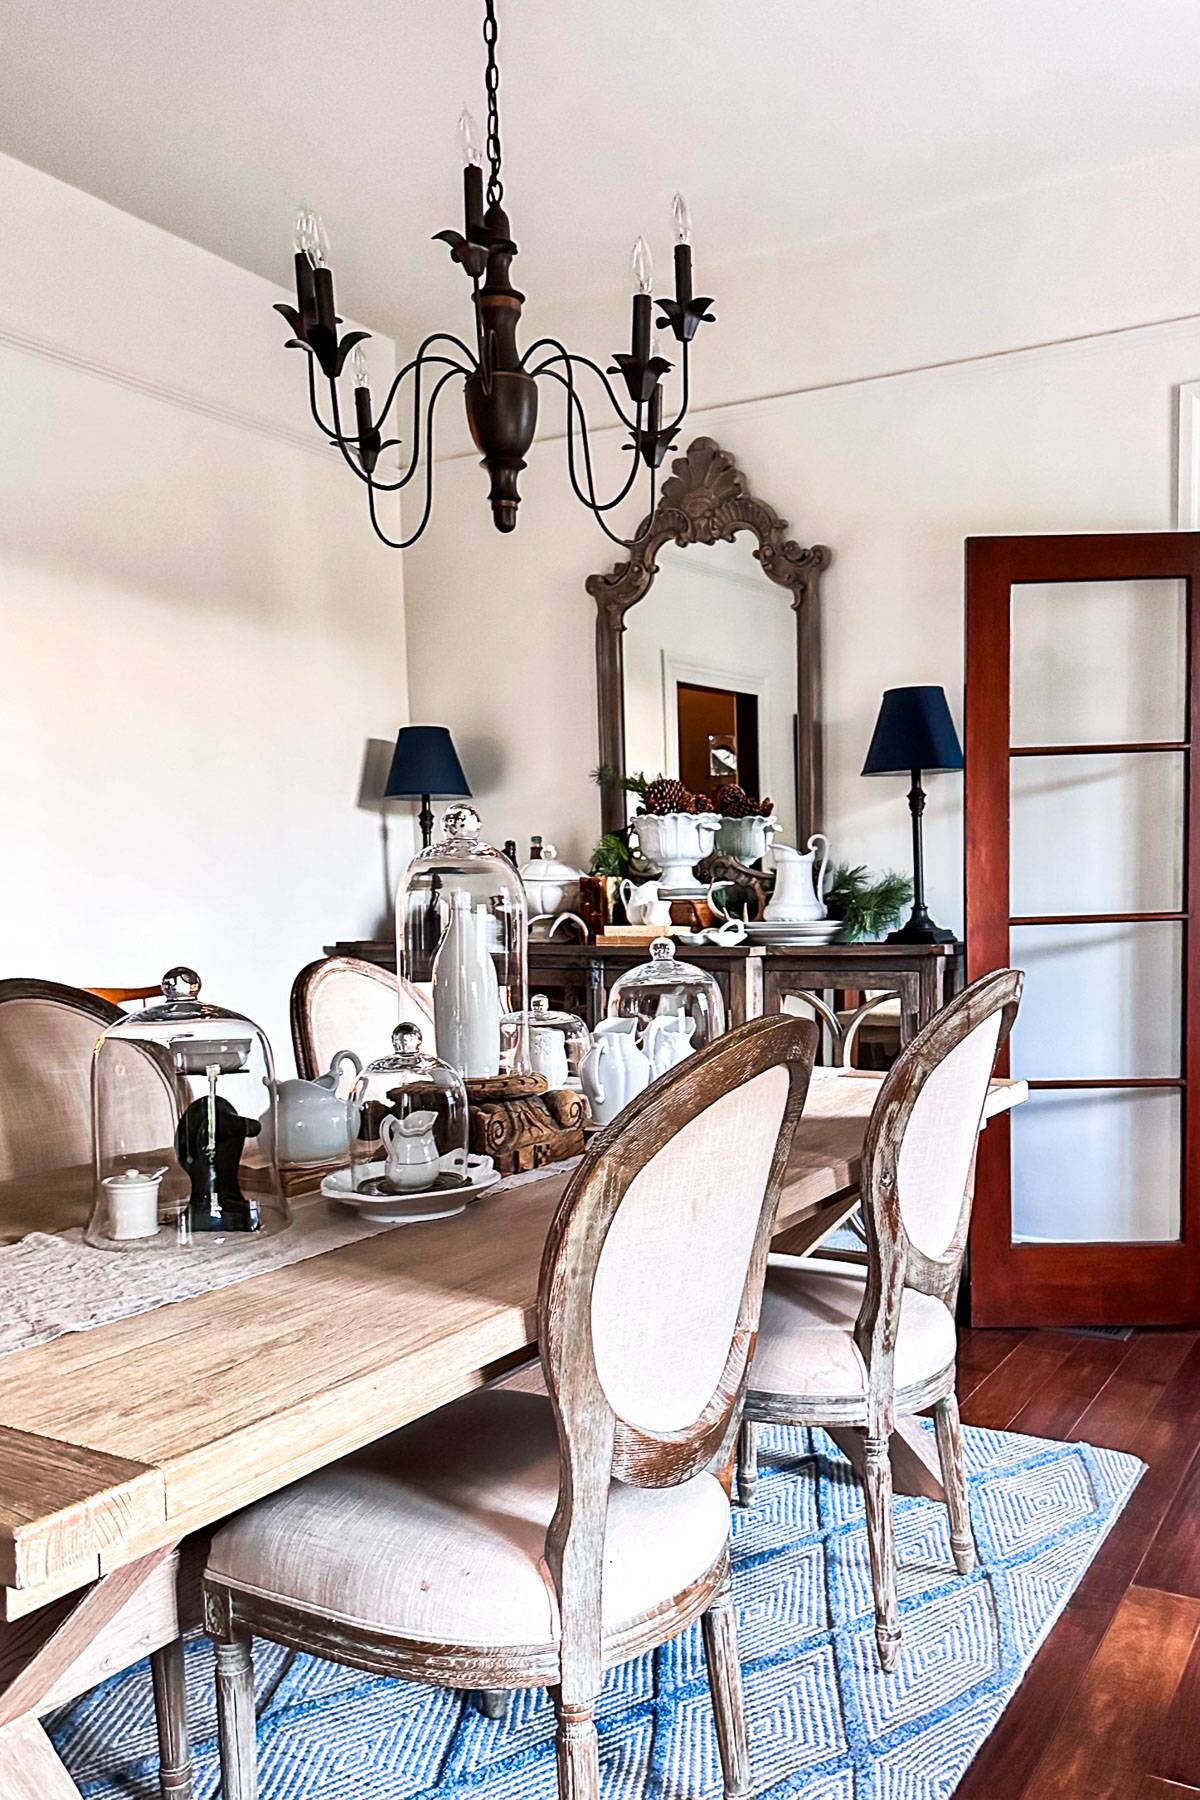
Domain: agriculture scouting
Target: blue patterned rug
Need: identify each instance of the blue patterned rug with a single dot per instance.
(824, 1722)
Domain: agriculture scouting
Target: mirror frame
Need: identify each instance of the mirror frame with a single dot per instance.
(703, 501)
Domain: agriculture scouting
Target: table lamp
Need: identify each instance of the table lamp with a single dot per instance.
(914, 735)
(425, 765)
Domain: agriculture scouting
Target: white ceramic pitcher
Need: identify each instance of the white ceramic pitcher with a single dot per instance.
(411, 1150)
(797, 897)
(614, 1069)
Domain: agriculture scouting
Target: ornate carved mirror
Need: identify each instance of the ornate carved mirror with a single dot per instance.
(713, 678)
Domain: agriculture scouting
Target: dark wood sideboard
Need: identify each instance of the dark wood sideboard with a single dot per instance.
(752, 979)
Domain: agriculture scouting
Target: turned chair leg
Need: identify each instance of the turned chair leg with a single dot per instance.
(725, 1685)
(881, 1542)
(170, 1711)
(747, 1463)
(235, 1717)
(954, 1480)
(491, 1702)
(577, 1749)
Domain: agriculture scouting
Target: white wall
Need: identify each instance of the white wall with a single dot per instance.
(890, 461)
(200, 632)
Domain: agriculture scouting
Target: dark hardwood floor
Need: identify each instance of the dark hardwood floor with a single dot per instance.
(1110, 1709)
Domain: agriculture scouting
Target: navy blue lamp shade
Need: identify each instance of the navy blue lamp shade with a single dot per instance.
(914, 730)
(914, 733)
(425, 764)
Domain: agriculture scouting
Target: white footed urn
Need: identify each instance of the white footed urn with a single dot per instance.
(676, 842)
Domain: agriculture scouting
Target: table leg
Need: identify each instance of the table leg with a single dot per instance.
(46, 1662)
(30, 1768)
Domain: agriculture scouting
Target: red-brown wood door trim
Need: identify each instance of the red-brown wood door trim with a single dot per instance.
(1080, 1284)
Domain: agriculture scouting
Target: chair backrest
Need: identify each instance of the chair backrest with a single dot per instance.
(47, 1033)
(343, 1003)
(918, 1170)
(652, 1280)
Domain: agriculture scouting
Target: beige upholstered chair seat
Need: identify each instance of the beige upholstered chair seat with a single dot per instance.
(438, 1533)
(806, 1332)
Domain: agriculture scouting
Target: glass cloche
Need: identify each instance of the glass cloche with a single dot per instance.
(461, 925)
(678, 1006)
(558, 1042)
(408, 1126)
(180, 1096)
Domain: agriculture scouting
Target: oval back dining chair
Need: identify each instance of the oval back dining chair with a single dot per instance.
(846, 1345)
(343, 1003)
(47, 1032)
(515, 1540)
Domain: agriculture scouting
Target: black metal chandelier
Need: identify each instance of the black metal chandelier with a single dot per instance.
(499, 383)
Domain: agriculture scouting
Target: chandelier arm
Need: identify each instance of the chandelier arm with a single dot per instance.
(376, 487)
(435, 337)
(677, 421)
(596, 508)
(344, 443)
(312, 399)
(571, 356)
(575, 405)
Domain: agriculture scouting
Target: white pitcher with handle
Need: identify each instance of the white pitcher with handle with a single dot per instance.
(614, 1069)
(797, 897)
(668, 1040)
(411, 1150)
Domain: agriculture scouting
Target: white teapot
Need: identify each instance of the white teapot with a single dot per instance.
(312, 1124)
(614, 1069)
(668, 1040)
(411, 1149)
(797, 897)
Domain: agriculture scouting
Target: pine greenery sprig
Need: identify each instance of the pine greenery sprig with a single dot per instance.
(866, 907)
(607, 777)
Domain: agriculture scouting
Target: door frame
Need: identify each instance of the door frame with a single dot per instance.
(1071, 1283)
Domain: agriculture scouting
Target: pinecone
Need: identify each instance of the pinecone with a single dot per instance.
(734, 801)
(766, 808)
(666, 796)
(703, 803)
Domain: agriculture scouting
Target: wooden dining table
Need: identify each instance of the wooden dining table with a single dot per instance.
(121, 1446)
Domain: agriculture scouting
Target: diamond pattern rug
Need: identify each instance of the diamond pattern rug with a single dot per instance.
(825, 1723)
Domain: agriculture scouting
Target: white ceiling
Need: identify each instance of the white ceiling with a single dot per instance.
(784, 121)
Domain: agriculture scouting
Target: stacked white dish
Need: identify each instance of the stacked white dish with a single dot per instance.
(793, 931)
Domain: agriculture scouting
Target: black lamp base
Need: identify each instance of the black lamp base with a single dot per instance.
(920, 929)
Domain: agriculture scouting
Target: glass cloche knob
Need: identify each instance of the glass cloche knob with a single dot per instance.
(663, 949)
(539, 1006)
(180, 984)
(406, 1039)
(460, 822)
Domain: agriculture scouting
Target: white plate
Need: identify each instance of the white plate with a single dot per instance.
(766, 931)
(443, 1201)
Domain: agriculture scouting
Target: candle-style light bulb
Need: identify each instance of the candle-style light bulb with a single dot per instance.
(643, 267)
(682, 219)
(359, 370)
(302, 235)
(317, 247)
(468, 140)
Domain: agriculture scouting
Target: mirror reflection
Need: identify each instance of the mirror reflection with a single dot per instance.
(710, 677)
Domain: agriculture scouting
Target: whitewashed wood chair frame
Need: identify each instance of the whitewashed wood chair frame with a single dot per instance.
(895, 1263)
(614, 1423)
(344, 1003)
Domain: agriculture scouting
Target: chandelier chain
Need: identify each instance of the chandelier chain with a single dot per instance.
(491, 31)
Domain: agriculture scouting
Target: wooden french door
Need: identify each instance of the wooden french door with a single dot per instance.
(1083, 868)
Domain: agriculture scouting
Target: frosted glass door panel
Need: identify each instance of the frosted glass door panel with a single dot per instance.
(1099, 662)
(1101, 1001)
(1096, 1166)
(1097, 833)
